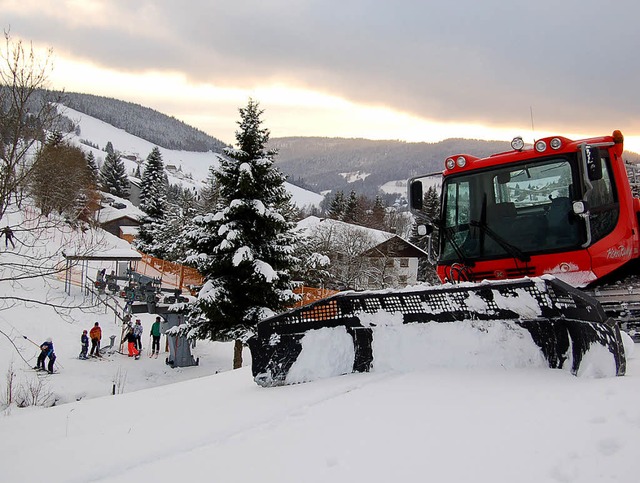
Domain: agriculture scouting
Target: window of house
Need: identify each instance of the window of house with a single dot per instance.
(404, 262)
(388, 262)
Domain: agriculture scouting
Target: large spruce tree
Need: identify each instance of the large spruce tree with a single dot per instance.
(244, 248)
(153, 201)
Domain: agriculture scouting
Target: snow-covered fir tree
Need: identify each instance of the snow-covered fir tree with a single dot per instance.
(244, 249)
(153, 201)
(338, 207)
(170, 242)
(113, 176)
(93, 167)
(352, 212)
(210, 193)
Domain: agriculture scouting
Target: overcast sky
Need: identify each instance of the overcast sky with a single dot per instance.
(414, 70)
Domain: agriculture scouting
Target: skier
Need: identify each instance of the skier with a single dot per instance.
(155, 333)
(46, 350)
(84, 340)
(137, 331)
(131, 344)
(8, 237)
(96, 335)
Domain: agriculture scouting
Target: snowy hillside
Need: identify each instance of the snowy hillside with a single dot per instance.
(192, 168)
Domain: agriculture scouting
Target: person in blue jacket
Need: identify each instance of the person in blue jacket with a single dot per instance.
(46, 350)
(84, 340)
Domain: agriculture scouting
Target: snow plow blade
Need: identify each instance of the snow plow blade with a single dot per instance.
(563, 322)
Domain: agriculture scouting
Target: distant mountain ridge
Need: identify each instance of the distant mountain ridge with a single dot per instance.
(320, 164)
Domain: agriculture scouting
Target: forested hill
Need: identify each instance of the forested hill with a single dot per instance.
(322, 162)
(143, 122)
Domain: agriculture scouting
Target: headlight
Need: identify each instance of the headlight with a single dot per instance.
(541, 146)
(450, 163)
(555, 143)
(461, 161)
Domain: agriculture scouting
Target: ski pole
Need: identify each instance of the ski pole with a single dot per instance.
(37, 345)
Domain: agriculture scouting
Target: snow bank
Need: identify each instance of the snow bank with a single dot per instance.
(399, 347)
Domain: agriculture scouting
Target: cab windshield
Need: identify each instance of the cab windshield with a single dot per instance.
(511, 211)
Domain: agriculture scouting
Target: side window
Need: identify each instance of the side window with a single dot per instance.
(457, 204)
(456, 218)
(603, 202)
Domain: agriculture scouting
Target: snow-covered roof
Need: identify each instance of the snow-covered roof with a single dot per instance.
(129, 230)
(376, 236)
(110, 211)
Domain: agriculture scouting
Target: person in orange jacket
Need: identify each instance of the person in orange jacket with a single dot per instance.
(96, 335)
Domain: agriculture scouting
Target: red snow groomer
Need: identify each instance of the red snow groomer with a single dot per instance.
(557, 222)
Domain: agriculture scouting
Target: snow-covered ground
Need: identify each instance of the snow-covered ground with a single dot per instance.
(464, 417)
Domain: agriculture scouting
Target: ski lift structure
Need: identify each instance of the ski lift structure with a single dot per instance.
(124, 260)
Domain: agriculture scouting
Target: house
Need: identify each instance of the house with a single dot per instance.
(363, 258)
(117, 215)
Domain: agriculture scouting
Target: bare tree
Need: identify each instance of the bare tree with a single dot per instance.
(343, 244)
(25, 116)
(34, 245)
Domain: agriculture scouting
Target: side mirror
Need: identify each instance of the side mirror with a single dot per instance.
(415, 195)
(594, 163)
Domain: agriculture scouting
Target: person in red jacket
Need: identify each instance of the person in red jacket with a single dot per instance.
(96, 335)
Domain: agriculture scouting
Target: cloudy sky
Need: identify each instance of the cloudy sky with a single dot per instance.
(417, 70)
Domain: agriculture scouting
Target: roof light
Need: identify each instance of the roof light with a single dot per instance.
(461, 161)
(555, 143)
(618, 138)
(450, 163)
(541, 146)
(517, 143)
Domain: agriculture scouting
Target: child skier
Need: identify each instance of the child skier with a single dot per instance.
(84, 340)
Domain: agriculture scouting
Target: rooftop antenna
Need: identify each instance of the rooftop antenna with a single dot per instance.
(533, 131)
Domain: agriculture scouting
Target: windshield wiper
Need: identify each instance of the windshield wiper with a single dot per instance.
(512, 250)
(448, 234)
